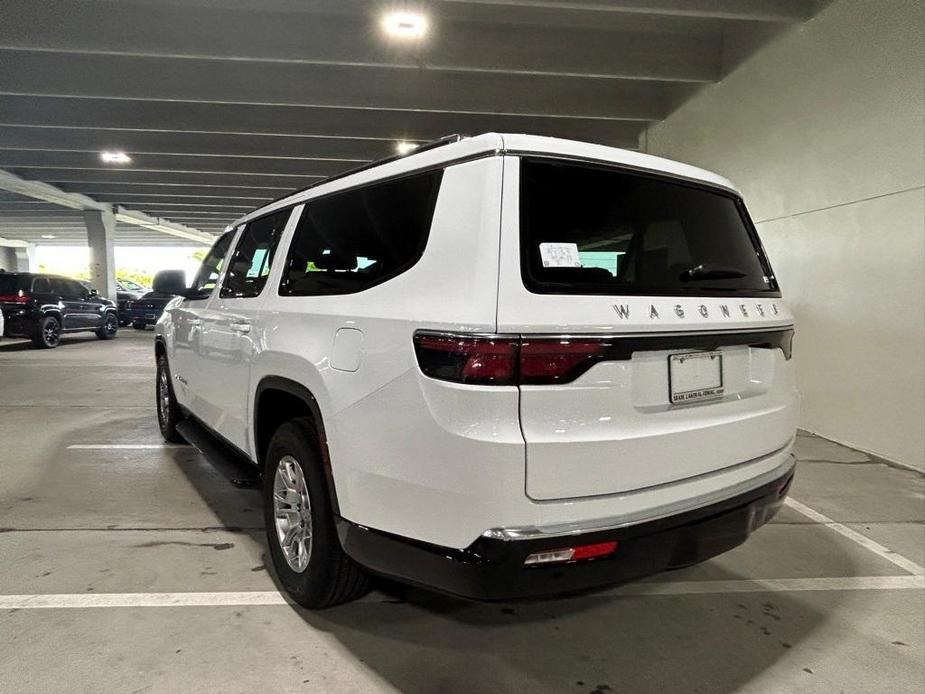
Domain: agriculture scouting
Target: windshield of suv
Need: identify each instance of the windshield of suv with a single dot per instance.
(588, 229)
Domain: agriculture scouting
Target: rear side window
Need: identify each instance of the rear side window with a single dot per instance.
(589, 229)
(350, 241)
(250, 264)
(40, 285)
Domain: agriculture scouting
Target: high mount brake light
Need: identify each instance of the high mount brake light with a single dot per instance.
(501, 360)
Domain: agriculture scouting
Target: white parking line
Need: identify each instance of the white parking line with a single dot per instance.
(853, 535)
(251, 598)
(124, 446)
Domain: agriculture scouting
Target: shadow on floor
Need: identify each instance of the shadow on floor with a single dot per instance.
(600, 643)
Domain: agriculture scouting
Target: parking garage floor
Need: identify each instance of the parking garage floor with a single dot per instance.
(131, 566)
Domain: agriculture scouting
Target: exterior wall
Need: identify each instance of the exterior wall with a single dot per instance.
(823, 131)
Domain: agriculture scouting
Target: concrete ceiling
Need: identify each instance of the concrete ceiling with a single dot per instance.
(226, 104)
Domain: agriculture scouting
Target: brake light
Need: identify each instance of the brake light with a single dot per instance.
(506, 360)
(18, 298)
(474, 360)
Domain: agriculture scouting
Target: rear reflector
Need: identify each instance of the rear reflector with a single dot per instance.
(501, 360)
(567, 554)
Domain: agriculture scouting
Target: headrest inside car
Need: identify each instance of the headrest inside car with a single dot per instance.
(335, 261)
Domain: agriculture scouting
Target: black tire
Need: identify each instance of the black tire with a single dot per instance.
(110, 327)
(168, 410)
(49, 333)
(139, 325)
(330, 577)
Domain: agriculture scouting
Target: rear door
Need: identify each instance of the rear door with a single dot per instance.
(229, 329)
(72, 295)
(656, 345)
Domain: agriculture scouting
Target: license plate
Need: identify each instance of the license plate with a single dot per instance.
(695, 376)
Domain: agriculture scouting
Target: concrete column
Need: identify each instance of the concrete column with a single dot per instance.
(101, 231)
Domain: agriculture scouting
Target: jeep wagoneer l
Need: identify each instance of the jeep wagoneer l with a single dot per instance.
(502, 366)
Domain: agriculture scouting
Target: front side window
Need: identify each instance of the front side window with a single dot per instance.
(211, 266)
(588, 229)
(250, 263)
(350, 241)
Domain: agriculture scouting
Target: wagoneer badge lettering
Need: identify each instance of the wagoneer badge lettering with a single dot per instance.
(653, 313)
(678, 309)
(623, 310)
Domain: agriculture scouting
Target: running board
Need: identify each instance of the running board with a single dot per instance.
(230, 463)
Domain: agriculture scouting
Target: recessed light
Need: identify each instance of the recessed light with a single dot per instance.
(48, 236)
(115, 157)
(405, 25)
(405, 147)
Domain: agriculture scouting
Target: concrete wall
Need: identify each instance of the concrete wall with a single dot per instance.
(7, 258)
(823, 131)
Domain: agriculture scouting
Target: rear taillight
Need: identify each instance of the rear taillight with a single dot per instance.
(19, 297)
(473, 360)
(501, 360)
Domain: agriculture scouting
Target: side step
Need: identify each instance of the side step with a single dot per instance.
(230, 463)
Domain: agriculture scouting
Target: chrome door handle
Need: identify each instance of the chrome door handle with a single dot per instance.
(241, 327)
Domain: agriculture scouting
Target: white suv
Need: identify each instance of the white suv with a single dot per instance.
(502, 366)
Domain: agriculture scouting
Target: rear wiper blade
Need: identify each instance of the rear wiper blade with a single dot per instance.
(711, 271)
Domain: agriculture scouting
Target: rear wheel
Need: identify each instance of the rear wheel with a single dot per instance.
(109, 328)
(168, 411)
(49, 333)
(299, 520)
(139, 325)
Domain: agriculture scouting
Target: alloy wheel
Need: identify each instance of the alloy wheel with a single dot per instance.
(292, 512)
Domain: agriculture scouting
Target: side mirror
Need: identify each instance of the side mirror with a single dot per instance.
(170, 282)
(92, 292)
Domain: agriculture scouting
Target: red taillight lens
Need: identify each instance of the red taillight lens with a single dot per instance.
(557, 360)
(18, 298)
(506, 360)
(473, 360)
(570, 554)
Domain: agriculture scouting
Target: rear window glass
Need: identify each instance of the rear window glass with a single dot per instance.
(11, 284)
(589, 229)
(350, 241)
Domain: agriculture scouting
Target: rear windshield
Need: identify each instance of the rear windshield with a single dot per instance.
(588, 229)
(11, 284)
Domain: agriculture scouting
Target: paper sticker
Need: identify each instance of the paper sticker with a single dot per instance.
(560, 255)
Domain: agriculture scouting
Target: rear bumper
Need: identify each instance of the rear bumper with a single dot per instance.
(147, 315)
(493, 568)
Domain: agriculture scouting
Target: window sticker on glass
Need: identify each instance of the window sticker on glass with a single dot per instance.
(560, 255)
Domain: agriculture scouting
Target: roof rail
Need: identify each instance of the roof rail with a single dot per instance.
(433, 144)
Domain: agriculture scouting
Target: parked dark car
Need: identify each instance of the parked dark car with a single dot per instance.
(145, 310)
(123, 296)
(44, 307)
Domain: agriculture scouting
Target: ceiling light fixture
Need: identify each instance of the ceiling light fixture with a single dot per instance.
(115, 157)
(48, 236)
(404, 147)
(405, 25)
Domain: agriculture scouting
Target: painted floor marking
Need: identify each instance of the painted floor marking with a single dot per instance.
(260, 598)
(123, 446)
(855, 536)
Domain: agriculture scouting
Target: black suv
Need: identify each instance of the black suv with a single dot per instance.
(43, 307)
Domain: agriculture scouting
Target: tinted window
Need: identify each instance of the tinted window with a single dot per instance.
(596, 230)
(10, 284)
(69, 288)
(250, 263)
(40, 285)
(350, 241)
(211, 266)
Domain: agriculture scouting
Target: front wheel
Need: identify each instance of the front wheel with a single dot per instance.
(299, 520)
(49, 333)
(168, 411)
(109, 328)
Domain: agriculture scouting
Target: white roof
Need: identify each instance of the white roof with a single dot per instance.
(499, 143)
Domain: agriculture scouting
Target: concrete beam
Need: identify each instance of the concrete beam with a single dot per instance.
(76, 201)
